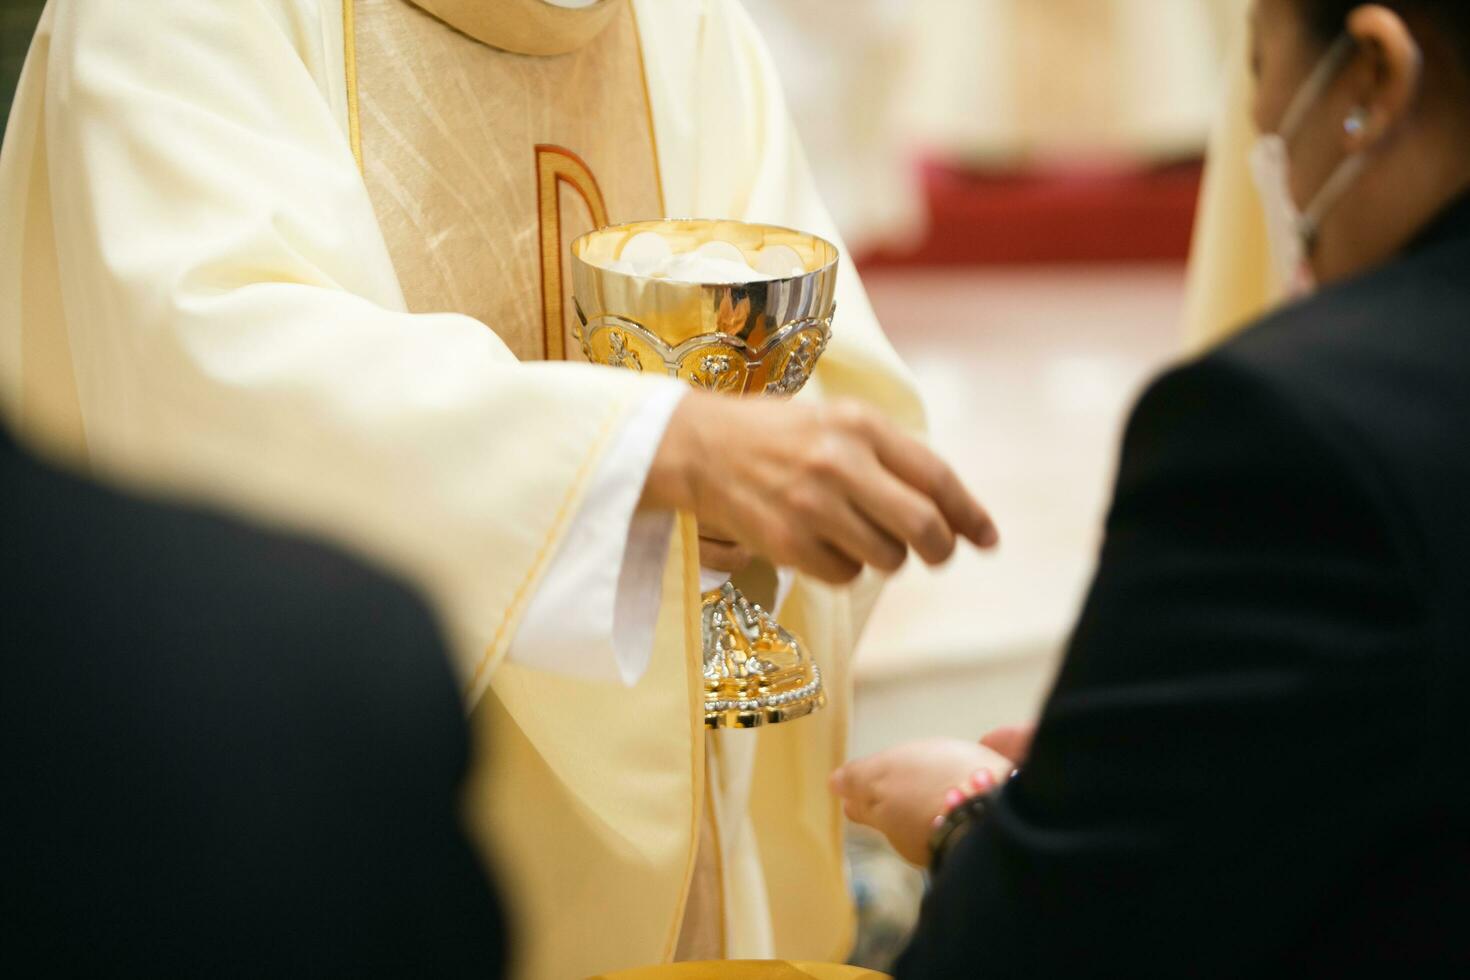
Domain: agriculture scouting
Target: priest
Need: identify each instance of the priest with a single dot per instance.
(307, 257)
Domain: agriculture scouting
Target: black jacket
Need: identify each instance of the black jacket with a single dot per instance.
(223, 753)
(1255, 757)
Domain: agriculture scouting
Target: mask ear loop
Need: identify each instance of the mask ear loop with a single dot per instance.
(1306, 97)
(1337, 185)
(1327, 69)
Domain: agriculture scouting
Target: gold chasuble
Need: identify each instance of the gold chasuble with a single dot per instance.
(472, 153)
(463, 178)
(307, 259)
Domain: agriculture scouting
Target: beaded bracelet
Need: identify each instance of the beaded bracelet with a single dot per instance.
(961, 815)
(956, 825)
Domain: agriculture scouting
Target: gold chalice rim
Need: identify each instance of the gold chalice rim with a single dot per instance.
(630, 228)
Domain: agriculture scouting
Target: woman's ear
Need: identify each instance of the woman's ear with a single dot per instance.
(1389, 81)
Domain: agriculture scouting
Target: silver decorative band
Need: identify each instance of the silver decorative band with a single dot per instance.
(802, 693)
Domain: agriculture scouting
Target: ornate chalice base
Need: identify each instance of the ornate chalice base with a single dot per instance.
(755, 671)
(762, 337)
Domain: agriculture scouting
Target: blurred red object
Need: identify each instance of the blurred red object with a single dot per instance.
(1072, 215)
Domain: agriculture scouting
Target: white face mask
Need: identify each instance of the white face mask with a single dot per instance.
(1291, 231)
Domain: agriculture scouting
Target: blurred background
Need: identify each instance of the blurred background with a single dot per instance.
(1019, 181)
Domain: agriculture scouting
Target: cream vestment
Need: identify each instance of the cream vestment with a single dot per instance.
(1230, 278)
(305, 257)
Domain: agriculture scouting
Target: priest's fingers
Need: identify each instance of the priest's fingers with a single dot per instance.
(830, 489)
(788, 537)
(721, 555)
(853, 534)
(826, 563)
(906, 514)
(921, 468)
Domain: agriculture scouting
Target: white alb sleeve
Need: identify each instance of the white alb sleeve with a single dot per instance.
(595, 610)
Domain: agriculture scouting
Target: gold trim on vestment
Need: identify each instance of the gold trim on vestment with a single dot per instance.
(693, 638)
(349, 60)
(694, 680)
(658, 171)
(555, 148)
(719, 844)
(553, 536)
(557, 165)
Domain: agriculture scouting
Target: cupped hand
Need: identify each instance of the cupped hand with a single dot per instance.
(1011, 741)
(825, 489)
(900, 791)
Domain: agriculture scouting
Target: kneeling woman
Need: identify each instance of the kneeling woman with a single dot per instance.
(1250, 760)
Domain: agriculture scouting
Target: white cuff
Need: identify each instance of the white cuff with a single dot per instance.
(597, 606)
(711, 579)
(785, 579)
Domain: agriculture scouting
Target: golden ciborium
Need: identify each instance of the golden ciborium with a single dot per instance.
(646, 301)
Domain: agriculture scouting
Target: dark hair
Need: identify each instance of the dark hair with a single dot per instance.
(1328, 18)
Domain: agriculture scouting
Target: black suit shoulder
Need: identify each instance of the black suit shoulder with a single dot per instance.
(1254, 721)
(1368, 385)
(226, 751)
(102, 571)
(1382, 366)
(1231, 451)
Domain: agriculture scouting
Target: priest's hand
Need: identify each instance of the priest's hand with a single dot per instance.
(900, 792)
(722, 554)
(825, 489)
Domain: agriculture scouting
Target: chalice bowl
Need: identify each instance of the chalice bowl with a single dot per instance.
(735, 308)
